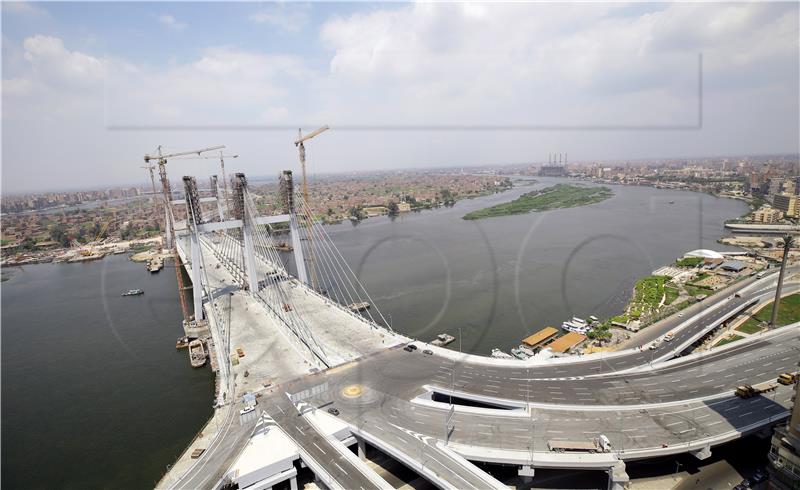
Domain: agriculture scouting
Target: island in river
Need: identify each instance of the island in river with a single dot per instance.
(554, 197)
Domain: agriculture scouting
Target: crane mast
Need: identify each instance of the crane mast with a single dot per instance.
(161, 159)
(308, 218)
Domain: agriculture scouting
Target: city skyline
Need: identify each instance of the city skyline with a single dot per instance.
(82, 83)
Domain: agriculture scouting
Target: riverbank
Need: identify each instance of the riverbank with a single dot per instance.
(85, 253)
(555, 197)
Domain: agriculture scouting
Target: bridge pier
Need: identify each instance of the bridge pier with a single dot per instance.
(526, 472)
(197, 287)
(702, 454)
(167, 230)
(617, 477)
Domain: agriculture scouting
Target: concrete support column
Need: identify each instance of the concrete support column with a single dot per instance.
(250, 259)
(197, 285)
(702, 454)
(167, 230)
(362, 449)
(297, 245)
(219, 209)
(293, 483)
(617, 477)
(526, 472)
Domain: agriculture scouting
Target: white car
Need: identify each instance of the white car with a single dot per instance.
(247, 410)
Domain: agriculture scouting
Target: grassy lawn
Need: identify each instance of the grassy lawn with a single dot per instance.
(554, 197)
(672, 295)
(788, 312)
(749, 327)
(689, 261)
(695, 290)
(650, 290)
(730, 339)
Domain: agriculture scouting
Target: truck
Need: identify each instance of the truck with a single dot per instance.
(788, 378)
(597, 445)
(748, 391)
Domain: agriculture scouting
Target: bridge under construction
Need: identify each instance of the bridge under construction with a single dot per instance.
(296, 334)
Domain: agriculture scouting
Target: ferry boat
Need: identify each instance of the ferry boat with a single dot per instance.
(571, 326)
(519, 354)
(359, 306)
(443, 339)
(133, 292)
(498, 354)
(155, 265)
(197, 353)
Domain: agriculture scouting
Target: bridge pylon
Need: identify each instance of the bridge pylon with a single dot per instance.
(286, 187)
(242, 212)
(194, 217)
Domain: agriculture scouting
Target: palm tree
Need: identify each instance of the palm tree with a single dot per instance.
(788, 242)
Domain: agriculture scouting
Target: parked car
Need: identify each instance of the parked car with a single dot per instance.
(333, 411)
(428, 352)
(247, 410)
(759, 476)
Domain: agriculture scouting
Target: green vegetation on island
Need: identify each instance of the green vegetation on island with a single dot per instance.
(554, 197)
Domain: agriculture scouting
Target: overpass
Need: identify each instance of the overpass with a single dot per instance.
(299, 341)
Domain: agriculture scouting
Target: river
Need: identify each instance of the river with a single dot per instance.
(94, 393)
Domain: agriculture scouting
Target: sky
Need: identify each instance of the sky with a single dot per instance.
(89, 88)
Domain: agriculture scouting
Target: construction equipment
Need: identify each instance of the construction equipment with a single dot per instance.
(789, 378)
(749, 391)
(161, 161)
(309, 219)
(222, 167)
(101, 231)
(152, 178)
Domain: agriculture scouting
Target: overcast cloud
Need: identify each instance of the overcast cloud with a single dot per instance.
(85, 96)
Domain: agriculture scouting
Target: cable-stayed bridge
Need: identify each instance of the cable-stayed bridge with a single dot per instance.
(302, 339)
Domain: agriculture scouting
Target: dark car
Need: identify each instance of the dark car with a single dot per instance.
(428, 352)
(409, 348)
(759, 477)
(333, 411)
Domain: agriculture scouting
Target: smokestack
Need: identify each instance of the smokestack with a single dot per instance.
(559, 158)
(565, 159)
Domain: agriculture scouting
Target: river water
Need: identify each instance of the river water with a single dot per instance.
(500, 279)
(94, 393)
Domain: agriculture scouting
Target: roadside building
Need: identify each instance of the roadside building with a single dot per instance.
(540, 338)
(784, 454)
(403, 207)
(767, 214)
(566, 343)
(733, 266)
(375, 210)
(788, 204)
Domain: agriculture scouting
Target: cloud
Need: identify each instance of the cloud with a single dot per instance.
(290, 17)
(24, 8)
(426, 64)
(171, 22)
(51, 61)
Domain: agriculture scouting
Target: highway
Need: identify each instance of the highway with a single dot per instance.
(506, 411)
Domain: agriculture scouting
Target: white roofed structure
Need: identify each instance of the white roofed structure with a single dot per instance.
(704, 253)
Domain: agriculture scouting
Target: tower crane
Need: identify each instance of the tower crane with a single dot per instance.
(302, 150)
(152, 178)
(161, 161)
(309, 219)
(222, 166)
